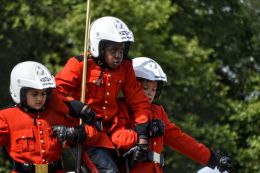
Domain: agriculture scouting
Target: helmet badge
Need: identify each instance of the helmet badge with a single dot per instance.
(42, 75)
(152, 64)
(122, 30)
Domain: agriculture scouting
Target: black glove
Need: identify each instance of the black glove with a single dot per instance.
(72, 134)
(78, 109)
(143, 130)
(88, 116)
(138, 152)
(223, 163)
(157, 127)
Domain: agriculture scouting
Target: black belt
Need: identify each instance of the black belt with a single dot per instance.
(30, 168)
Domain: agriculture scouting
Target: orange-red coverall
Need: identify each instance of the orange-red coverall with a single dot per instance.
(123, 137)
(103, 86)
(28, 137)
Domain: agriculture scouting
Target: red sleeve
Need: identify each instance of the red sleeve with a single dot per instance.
(4, 130)
(57, 102)
(183, 143)
(123, 136)
(69, 78)
(68, 86)
(135, 99)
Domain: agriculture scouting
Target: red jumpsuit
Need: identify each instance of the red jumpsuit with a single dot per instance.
(173, 137)
(28, 137)
(102, 89)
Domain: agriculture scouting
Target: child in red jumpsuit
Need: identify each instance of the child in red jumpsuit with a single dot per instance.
(27, 130)
(162, 131)
(109, 73)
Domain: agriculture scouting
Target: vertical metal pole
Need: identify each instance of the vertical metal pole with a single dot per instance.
(84, 76)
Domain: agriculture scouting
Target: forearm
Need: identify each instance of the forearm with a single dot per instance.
(187, 145)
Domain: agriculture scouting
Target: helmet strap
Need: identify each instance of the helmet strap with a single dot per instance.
(100, 60)
(126, 50)
(159, 89)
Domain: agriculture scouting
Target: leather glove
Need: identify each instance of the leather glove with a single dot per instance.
(143, 129)
(157, 127)
(72, 134)
(88, 116)
(78, 109)
(138, 152)
(223, 163)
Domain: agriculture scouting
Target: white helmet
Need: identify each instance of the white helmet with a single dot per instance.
(29, 74)
(149, 69)
(146, 68)
(108, 29)
(209, 170)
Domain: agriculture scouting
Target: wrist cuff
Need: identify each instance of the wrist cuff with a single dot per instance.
(142, 129)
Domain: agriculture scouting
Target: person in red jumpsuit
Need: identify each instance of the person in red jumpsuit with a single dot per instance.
(109, 73)
(162, 131)
(27, 130)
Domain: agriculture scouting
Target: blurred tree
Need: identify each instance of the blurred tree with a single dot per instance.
(209, 50)
(28, 32)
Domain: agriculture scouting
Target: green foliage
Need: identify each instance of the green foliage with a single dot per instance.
(208, 49)
(246, 124)
(192, 72)
(5, 161)
(28, 32)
